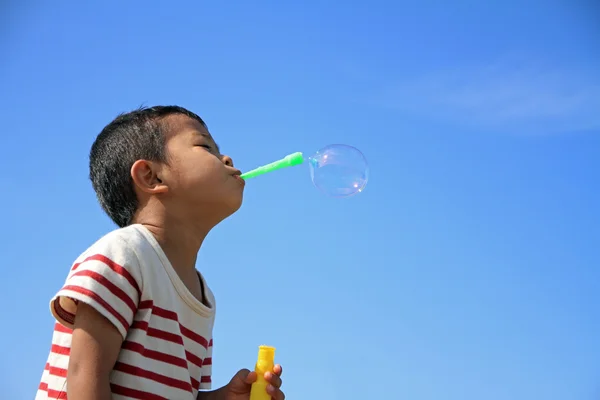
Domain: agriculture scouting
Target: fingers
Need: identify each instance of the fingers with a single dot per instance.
(250, 378)
(274, 379)
(276, 393)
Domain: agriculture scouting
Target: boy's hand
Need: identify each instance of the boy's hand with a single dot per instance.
(239, 386)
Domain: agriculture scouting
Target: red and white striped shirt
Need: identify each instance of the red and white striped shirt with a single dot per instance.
(167, 332)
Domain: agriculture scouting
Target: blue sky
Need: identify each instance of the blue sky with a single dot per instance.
(467, 269)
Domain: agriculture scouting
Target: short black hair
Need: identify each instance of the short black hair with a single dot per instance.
(139, 134)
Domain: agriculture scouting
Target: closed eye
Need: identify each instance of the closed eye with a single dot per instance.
(205, 146)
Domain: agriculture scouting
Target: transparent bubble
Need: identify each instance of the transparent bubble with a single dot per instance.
(339, 170)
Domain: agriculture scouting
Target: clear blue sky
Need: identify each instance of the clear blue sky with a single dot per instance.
(469, 267)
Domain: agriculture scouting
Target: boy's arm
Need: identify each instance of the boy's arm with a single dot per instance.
(218, 394)
(95, 346)
(98, 301)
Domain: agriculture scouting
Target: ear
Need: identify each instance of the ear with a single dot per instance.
(145, 175)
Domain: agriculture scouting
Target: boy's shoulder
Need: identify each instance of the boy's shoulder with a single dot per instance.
(108, 276)
(130, 242)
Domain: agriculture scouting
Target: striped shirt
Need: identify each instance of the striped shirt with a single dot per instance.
(167, 332)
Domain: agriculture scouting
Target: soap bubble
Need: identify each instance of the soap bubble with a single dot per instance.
(339, 170)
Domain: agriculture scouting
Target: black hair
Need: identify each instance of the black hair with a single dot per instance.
(139, 134)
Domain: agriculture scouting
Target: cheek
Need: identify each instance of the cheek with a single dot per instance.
(205, 175)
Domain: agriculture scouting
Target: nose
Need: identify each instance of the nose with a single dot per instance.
(227, 161)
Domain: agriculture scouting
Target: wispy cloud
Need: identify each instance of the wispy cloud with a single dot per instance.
(504, 96)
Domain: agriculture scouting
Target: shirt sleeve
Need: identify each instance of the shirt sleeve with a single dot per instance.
(107, 278)
(206, 371)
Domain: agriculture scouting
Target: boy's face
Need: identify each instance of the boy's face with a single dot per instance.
(202, 182)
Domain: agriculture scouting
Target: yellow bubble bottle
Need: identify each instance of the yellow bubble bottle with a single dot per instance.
(264, 363)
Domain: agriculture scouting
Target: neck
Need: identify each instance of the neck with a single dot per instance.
(180, 240)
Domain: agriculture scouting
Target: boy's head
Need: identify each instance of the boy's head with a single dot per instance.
(163, 157)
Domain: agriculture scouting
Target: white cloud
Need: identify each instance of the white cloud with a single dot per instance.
(504, 96)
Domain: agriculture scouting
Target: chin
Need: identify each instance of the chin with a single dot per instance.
(222, 208)
(236, 204)
(231, 205)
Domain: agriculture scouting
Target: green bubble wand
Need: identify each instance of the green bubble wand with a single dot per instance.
(287, 161)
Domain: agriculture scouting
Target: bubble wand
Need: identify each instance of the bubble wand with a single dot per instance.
(287, 161)
(338, 170)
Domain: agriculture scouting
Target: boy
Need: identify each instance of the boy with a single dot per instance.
(135, 317)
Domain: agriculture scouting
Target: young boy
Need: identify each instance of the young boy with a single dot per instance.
(135, 317)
